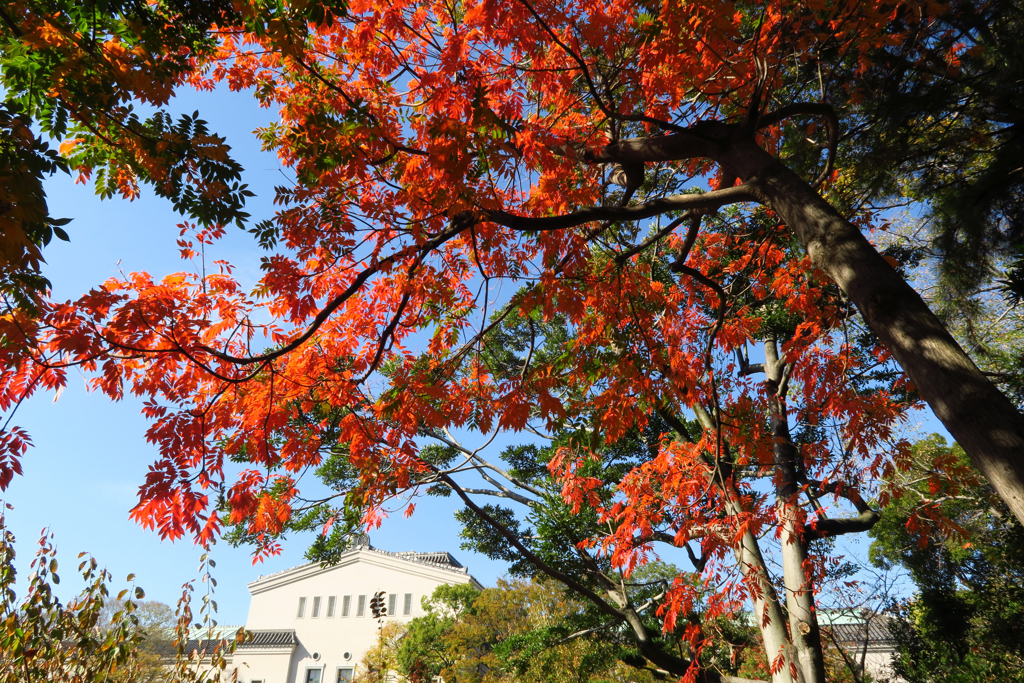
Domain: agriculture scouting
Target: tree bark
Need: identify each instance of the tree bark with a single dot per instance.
(798, 586)
(980, 417)
(767, 610)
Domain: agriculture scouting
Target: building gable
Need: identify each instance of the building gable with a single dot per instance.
(313, 624)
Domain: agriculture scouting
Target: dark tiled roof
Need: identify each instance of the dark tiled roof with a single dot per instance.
(283, 638)
(166, 648)
(875, 631)
(441, 558)
(257, 640)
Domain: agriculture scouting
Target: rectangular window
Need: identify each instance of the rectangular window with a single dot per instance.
(302, 608)
(330, 606)
(313, 675)
(256, 680)
(393, 605)
(346, 605)
(316, 607)
(407, 607)
(344, 674)
(361, 606)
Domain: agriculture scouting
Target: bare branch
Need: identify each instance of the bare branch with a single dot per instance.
(474, 455)
(827, 527)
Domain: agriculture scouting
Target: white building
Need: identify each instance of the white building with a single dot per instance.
(865, 641)
(312, 624)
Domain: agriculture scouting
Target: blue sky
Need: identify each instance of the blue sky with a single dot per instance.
(90, 454)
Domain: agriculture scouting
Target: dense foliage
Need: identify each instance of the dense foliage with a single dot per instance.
(949, 139)
(79, 73)
(604, 224)
(516, 630)
(651, 615)
(966, 619)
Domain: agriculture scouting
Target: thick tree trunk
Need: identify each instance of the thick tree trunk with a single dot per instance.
(976, 413)
(799, 588)
(982, 420)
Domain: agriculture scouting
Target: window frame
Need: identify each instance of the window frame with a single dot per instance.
(339, 668)
(393, 605)
(301, 613)
(319, 667)
(407, 605)
(361, 606)
(346, 606)
(332, 604)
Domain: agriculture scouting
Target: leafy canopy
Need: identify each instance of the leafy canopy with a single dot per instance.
(965, 621)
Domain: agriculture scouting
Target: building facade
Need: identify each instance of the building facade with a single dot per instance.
(866, 643)
(313, 624)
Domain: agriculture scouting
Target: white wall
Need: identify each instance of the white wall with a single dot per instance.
(270, 666)
(275, 601)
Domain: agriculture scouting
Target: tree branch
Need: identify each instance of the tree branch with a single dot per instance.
(707, 201)
(533, 558)
(828, 527)
(336, 302)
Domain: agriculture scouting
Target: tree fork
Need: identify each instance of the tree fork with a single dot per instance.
(980, 417)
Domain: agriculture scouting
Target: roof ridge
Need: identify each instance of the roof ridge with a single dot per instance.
(415, 556)
(451, 564)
